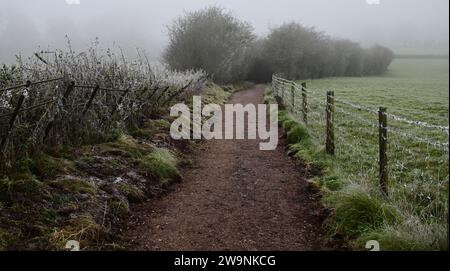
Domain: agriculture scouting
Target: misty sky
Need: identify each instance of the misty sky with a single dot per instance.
(406, 26)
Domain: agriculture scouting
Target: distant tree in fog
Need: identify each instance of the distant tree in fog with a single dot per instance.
(212, 40)
(378, 59)
(302, 52)
(225, 48)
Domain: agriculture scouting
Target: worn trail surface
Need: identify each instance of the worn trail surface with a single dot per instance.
(233, 197)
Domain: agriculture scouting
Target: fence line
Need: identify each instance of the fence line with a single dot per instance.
(29, 83)
(370, 127)
(58, 109)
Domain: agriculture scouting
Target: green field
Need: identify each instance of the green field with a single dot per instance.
(414, 88)
(415, 92)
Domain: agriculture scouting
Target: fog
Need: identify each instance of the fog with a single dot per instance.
(406, 26)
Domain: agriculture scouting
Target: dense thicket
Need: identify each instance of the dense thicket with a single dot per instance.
(300, 52)
(211, 40)
(83, 97)
(225, 47)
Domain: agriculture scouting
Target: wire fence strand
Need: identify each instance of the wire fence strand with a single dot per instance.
(417, 151)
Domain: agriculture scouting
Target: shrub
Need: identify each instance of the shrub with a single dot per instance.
(212, 40)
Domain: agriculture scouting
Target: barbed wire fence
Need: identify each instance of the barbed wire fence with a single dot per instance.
(407, 159)
(73, 99)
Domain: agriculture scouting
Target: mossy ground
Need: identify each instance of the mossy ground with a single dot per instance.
(48, 200)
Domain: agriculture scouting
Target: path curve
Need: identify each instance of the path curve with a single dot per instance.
(233, 197)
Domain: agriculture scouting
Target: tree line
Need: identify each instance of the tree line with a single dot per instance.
(227, 49)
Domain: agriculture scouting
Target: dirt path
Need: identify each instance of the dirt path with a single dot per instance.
(234, 197)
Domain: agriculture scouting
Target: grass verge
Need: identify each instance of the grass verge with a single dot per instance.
(359, 212)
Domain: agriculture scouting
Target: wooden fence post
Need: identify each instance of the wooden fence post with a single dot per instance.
(383, 174)
(91, 99)
(69, 89)
(13, 118)
(330, 123)
(304, 104)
